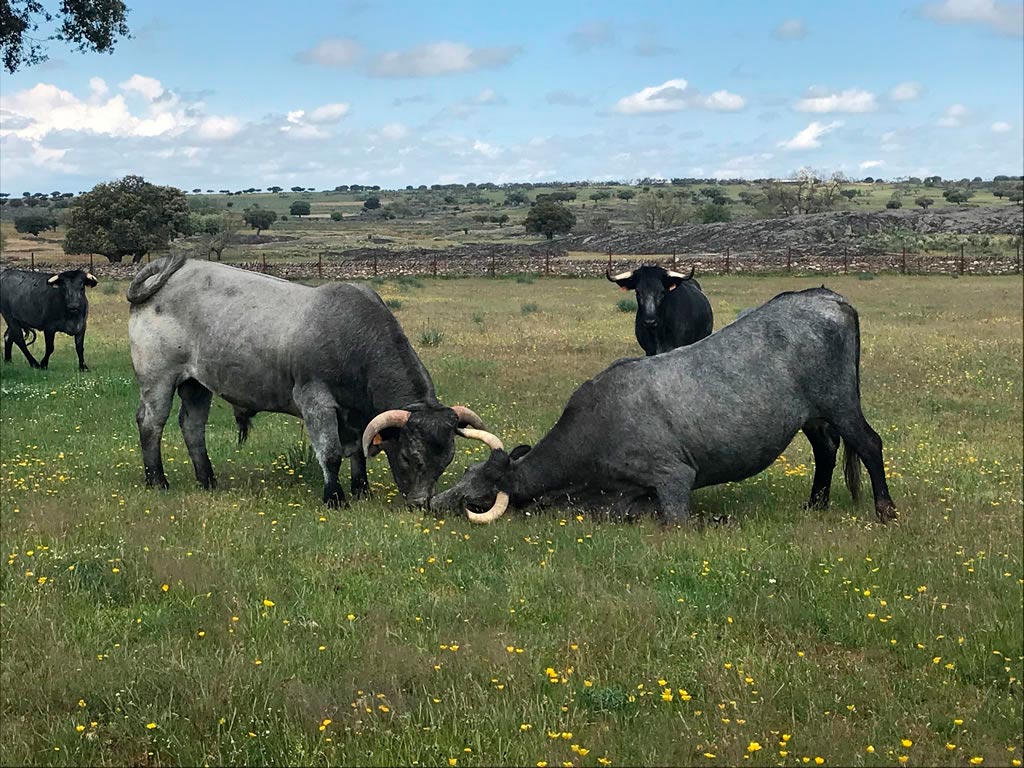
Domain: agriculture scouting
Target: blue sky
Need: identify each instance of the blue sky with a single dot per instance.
(232, 95)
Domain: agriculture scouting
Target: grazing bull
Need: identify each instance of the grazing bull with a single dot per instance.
(333, 356)
(37, 301)
(650, 430)
(671, 309)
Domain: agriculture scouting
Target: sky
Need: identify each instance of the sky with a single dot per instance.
(229, 95)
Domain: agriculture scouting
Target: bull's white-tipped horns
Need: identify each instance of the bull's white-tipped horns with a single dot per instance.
(621, 276)
(466, 416)
(393, 418)
(52, 280)
(680, 275)
(491, 441)
(492, 514)
(91, 276)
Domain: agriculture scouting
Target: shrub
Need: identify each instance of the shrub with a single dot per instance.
(407, 282)
(336, 216)
(528, 309)
(299, 208)
(865, 276)
(393, 304)
(431, 337)
(524, 279)
(627, 305)
(110, 288)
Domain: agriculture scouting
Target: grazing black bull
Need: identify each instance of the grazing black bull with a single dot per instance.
(334, 356)
(38, 301)
(650, 430)
(671, 309)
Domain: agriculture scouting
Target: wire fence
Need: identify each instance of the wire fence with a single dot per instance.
(511, 260)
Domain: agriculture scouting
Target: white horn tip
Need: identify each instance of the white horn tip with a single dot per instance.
(496, 511)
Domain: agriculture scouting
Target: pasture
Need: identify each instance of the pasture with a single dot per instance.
(251, 625)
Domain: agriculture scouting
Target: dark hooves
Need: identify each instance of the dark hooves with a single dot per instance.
(886, 512)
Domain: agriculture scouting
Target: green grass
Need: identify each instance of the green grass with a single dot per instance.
(424, 641)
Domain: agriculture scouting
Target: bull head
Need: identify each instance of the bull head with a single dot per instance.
(651, 284)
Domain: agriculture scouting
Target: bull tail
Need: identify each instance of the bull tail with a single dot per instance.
(142, 289)
(851, 470)
(29, 342)
(244, 421)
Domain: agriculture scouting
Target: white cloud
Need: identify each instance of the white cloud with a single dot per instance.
(1001, 127)
(45, 108)
(328, 113)
(1005, 18)
(954, 116)
(487, 97)
(674, 95)
(905, 91)
(723, 101)
(852, 100)
(441, 58)
(871, 164)
(98, 87)
(394, 132)
(487, 150)
(216, 128)
(147, 87)
(791, 29)
(810, 137)
(333, 52)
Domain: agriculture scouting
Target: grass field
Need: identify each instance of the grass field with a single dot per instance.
(250, 625)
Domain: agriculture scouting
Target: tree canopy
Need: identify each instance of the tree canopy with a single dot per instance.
(550, 219)
(260, 218)
(299, 208)
(128, 217)
(88, 25)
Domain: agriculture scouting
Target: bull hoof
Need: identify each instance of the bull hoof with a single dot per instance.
(34, 364)
(44, 365)
(83, 367)
(334, 498)
(886, 511)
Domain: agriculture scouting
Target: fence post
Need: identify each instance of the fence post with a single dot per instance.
(903, 264)
(547, 263)
(1018, 254)
(789, 259)
(264, 263)
(493, 273)
(609, 262)
(727, 259)
(435, 264)
(846, 259)
(961, 270)
(375, 265)
(90, 263)
(320, 265)
(32, 259)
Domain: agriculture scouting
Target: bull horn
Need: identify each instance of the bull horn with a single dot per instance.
(52, 280)
(492, 514)
(680, 275)
(380, 422)
(90, 276)
(621, 276)
(466, 416)
(491, 441)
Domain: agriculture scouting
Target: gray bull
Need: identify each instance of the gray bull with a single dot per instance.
(723, 409)
(333, 356)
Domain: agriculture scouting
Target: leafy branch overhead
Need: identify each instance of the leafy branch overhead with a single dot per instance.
(87, 25)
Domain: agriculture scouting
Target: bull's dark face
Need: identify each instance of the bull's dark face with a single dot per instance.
(72, 285)
(651, 284)
(479, 486)
(419, 452)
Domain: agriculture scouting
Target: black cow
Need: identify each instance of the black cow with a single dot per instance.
(37, 301)
(671, 309)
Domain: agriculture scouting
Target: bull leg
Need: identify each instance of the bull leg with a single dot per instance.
(80, 349)
(17, 336)
(824, 440)
(360, 482)
(673, 495)
(195, 410)
(320, 415)
(859, 435)
(154, 407)
(48, 338)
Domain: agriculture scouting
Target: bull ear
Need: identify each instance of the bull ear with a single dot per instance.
(53, 280)
(519, 451)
